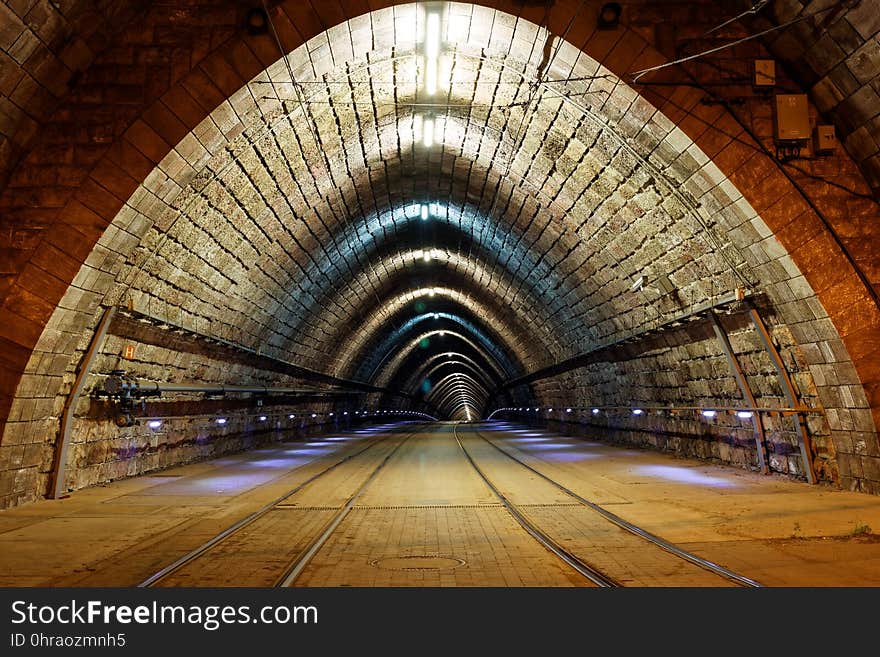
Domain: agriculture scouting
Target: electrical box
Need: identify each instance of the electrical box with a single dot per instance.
(824, 139)
(791, 117)
(765, 74)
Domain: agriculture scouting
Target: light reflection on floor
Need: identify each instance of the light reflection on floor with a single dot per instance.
(682, 475)
(285, 463)
(229, 484)
(559, 452)
(547, 446)
(309, 451)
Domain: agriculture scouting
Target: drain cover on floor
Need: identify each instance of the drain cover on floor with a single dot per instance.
(418, 562)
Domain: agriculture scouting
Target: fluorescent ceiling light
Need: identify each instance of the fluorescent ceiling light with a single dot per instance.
(432, 36)
(428, 133)
(431, 77)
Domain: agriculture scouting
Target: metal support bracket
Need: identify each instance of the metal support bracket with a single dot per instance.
(126, 391)
(744, 389)
(59, 466)
(694, 314)
(789, 392)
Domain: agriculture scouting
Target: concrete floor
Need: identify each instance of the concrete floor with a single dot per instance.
(427, 519)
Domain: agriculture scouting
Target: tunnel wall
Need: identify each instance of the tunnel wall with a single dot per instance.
(100, 451)
(103, 452)
(189, 74)
(693, 371)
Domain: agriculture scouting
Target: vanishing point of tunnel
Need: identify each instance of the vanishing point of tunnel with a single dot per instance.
(502, 293)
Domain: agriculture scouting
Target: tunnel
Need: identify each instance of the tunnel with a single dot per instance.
(503, 263)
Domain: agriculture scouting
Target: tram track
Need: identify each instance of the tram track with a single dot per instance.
(663, 544)
(631, 528)
(292, 546)
(295, 569)
(203, 551)
(569, 558)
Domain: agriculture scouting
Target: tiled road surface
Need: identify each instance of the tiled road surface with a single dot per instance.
(427, 519)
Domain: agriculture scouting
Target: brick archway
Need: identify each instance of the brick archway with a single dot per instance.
(73, 217)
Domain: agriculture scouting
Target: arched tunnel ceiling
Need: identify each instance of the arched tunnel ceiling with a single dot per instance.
(565, 210)
(552, 189)
(46, 47)
(548, 200)
(378, 355)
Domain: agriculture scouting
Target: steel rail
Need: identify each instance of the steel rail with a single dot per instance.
(635, 529)
(143, 388)
(581, 567)
(149, 329)
(294, 570)
(791, 395)
(247, 520)
(742, 381)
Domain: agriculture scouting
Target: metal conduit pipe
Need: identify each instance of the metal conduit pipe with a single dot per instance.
(125, 390)
(119, 386)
